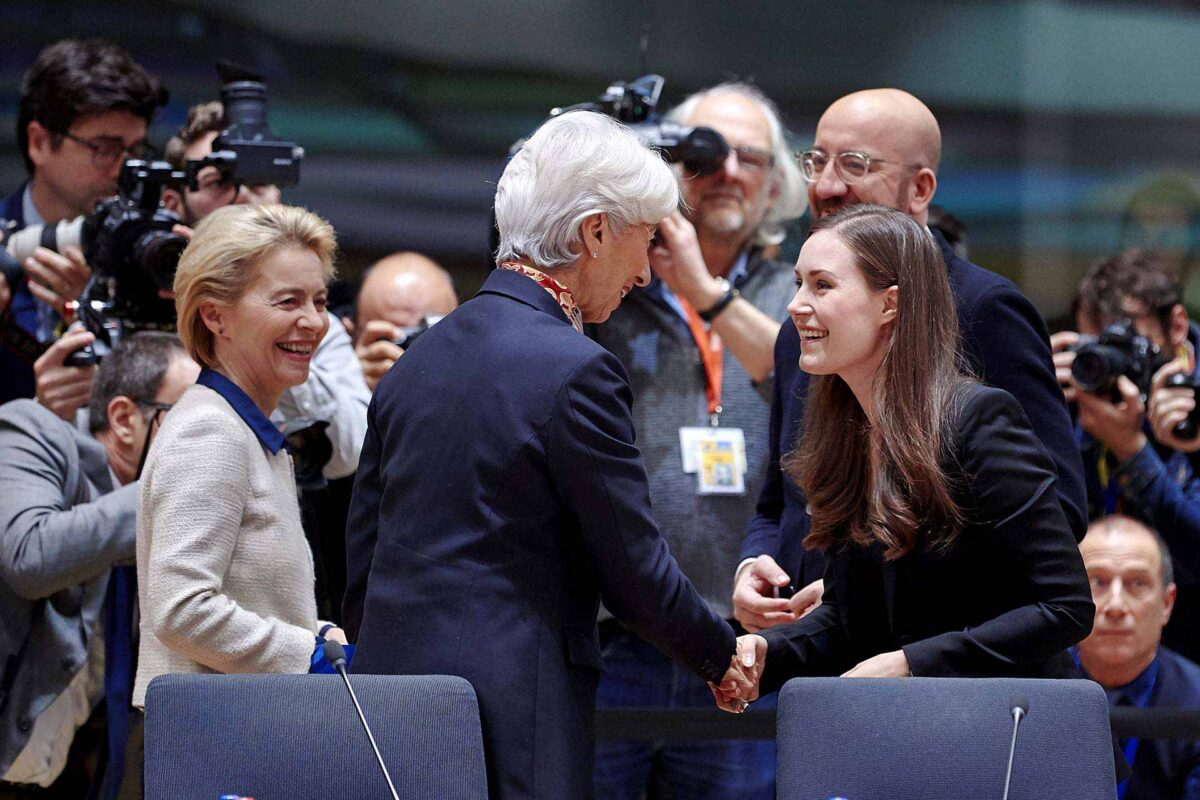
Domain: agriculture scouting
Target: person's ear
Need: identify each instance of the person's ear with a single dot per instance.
(891, 298)
(172, 201)
(1169, 602)
(213, 316)
(124, 419)
(920, 191)
(594, 231)
(41, 143)
(1177, 325)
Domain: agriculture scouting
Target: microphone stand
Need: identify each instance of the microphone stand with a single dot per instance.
(338, 660)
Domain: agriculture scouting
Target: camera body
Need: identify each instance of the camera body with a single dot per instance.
(410, 334)
(1118, 350)
(129, 242)
(1186, 429)
(246, 152)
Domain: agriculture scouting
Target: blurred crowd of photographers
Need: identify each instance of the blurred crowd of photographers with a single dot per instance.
(90, 246)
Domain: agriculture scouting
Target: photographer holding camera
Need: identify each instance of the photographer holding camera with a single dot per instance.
(1136, 349)
(399, 297)
(716, 299)
(84, 107)
(335, 392)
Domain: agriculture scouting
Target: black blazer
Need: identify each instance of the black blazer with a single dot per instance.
(498, 498)
(1006, 601)
(1006, 345)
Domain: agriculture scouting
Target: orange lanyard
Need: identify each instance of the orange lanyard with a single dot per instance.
(712, 352)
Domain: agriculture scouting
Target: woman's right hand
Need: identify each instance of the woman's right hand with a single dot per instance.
(336, 634)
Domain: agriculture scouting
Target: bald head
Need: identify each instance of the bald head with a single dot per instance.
(894, 118)
(402, 289)
(890, 126)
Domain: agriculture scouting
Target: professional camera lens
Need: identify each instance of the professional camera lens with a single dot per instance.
(158, 252)
(1097, 367)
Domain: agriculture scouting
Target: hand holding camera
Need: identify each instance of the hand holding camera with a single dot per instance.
(1174, 417)
(377, 350)
(62, 388)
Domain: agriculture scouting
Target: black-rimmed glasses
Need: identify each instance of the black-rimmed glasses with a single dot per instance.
(107, 150)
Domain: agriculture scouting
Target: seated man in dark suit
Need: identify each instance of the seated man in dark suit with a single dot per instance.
(1134, 591)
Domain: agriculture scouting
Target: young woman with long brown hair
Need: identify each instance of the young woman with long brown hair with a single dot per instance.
(948, 552)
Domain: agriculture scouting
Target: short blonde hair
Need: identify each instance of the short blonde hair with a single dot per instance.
(223, 256)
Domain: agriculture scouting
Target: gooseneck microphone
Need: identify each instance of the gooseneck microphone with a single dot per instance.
(1019, 710)
(336, 656)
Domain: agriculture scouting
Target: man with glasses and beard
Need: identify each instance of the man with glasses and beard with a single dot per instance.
(697, 346)
(84, 108)
(884, 146)
(67, 506)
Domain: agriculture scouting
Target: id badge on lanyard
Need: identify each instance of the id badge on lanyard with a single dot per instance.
(716, 455)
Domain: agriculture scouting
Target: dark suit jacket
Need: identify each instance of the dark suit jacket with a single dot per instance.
(1169, 769)
(1007, 599)
(16, 376)
(498, 498)
(1006, 345)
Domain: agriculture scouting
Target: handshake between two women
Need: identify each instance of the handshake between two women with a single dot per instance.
(740, 685)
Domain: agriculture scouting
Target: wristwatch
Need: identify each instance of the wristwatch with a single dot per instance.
(730, 294)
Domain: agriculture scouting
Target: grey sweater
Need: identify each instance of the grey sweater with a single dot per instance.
(652, 341)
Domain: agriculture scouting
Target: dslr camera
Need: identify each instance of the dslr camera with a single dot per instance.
(129, 243)
(128, 239)
(1120, 350)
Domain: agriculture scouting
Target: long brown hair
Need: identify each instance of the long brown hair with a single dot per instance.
(885, 482)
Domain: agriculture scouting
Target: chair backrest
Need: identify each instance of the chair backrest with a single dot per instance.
(942, 739)
(291, 737)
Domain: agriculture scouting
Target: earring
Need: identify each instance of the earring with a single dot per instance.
(595, 254)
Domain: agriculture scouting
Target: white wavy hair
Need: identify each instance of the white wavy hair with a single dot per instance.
(575, 165)
(792, 200)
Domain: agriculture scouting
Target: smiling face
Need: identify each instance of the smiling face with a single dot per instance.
(266, 339)
(1132, 604)
(732, 201)
(844, 325)
(622, 262)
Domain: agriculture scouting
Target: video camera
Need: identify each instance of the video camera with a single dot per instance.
(700, 150)
(246, 152)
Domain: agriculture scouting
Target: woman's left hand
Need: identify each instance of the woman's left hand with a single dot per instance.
(336, 634)
(884, 665)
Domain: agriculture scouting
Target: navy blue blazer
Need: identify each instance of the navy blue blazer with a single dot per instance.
(499, 497)
(16, 376)
(1007, 599)
(1006, 345)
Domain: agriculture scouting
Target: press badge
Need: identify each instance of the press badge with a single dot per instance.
(717, 456)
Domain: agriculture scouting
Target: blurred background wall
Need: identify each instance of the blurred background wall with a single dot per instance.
(1070, 128)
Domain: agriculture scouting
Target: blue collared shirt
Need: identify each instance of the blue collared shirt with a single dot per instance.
(271, 437)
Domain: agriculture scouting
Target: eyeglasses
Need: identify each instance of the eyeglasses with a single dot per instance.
(753, 159)
(851, 166)
(157, 406)
(106, 150)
